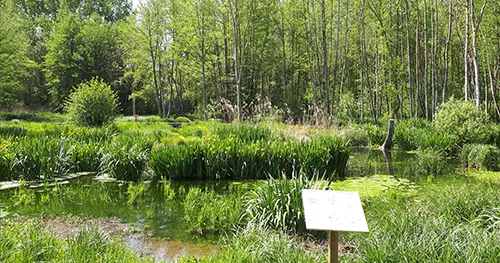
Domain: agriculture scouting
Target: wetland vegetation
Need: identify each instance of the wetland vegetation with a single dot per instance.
(216, 192)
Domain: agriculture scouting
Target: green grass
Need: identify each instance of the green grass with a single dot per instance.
(28, 241)
(257, 243)
(207, 211)
(454, 224)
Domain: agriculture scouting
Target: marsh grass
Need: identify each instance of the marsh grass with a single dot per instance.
(42, 158)
(232, 158)
(125, 162)
(258, 243)
(278, 204)
(480, 156)
(206, 211)
(28, 241)
(454, 224)
(432, 161)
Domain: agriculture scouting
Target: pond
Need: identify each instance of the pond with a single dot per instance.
(149, 217)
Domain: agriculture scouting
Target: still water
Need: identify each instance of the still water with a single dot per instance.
(148, 217)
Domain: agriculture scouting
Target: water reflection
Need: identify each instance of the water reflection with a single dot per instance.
(366, 162)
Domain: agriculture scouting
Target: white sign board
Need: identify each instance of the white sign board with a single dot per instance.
(333, 211)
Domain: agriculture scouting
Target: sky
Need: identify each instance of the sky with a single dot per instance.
(135, 3)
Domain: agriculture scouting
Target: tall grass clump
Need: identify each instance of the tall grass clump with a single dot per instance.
(412, 134)
(206, 211)
(232, 158)
(86, 156)
(432, 161)
(42, 158)
(257, 243)
(278, 204)
(454, 224)
(376, 134)
(125, 161)
(12, 131)
(480, 156)
(7, 159)
(178, 161)
(30, 242)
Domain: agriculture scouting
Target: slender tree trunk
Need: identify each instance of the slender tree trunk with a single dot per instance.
(236, 25)
(410, 90)
(466, 51)
(336, 66)
(426, 62)
(447, 44)
(417, 59)
(476, 21)
(203, 87)
(326, 75)
(494, 92)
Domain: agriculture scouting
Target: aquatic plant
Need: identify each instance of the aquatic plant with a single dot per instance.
(454, 224)
(258, 243)
(481, 156)
(38, 158)
(28, 241)
(207, 211)
(278, 204)
(431, 161)
(125, 162)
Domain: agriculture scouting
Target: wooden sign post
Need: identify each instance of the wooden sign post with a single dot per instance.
(333, 211)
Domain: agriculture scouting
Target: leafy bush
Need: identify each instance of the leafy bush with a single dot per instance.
(481, 156)
(182, 119)
(92, 103)
(463, 121)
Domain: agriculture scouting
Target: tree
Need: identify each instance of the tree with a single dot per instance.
(78, 50)
(14, 63)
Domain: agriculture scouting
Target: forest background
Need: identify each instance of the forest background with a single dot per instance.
(301, 60)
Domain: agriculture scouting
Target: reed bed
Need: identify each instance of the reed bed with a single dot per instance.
(208, 150)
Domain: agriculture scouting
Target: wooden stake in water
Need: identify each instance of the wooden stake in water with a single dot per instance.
(333, 246)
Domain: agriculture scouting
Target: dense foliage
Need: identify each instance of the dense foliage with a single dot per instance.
(463, 121)
(316, 61)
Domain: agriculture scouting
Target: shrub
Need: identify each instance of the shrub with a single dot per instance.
(92, 103)
(182, 119)
(481, 156)
(463, 121)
